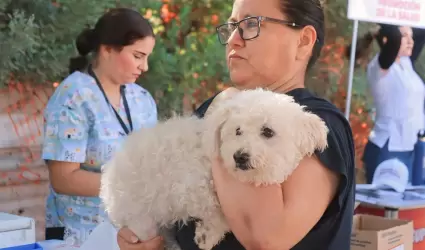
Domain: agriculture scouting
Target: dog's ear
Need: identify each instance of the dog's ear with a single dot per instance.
(215, 117)
(313, 133)
(213, 123)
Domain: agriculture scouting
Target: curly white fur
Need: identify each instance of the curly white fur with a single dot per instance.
(163, 174)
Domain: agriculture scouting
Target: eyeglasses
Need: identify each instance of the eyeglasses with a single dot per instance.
(248, 28)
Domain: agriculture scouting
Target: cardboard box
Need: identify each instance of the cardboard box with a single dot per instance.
(378, 233)
(417, 215)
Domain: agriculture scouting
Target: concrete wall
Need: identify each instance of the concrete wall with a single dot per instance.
(23, 175)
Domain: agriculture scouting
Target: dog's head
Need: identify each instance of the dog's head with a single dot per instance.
(261, 136)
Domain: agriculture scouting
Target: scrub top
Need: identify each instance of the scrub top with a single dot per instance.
(80, 126)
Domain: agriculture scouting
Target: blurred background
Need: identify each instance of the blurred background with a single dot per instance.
(187, 66)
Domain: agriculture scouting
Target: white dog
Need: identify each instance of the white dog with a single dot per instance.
(163, 174)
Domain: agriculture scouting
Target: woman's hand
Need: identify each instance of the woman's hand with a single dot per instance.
(127, 240)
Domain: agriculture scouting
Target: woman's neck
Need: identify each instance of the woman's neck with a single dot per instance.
(286, 85)
(108, 85)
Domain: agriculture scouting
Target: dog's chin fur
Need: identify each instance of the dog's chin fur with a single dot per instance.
(163, 174)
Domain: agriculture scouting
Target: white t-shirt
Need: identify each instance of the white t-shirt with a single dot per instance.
(399, 96)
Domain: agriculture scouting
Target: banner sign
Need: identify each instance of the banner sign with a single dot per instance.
(396, 12)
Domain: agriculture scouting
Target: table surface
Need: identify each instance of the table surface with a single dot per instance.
(412, 198)
(55, 245)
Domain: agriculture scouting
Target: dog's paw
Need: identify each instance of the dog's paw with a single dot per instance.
(201, 240)
(205, 237)
(201, 236)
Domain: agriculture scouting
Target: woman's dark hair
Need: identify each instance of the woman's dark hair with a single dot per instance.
(364, 43)
(117, 28)
(303, 13)
(363, 47)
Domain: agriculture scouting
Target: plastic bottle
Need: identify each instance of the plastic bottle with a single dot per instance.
(418, 161)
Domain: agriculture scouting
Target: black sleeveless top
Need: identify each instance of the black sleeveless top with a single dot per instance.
(333, 231)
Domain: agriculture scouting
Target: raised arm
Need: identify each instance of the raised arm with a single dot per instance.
(389, 40)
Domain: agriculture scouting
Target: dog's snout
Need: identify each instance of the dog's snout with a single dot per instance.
(241, 157)
(242, 160)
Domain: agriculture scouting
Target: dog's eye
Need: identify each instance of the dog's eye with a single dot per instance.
(238, 131)
(267, 132)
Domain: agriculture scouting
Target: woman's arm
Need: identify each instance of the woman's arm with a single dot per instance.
(67, 178)
(65, 144)
(280, 216)
(270, 212)
(389, 40)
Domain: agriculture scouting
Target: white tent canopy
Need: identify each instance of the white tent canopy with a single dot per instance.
(396, 12)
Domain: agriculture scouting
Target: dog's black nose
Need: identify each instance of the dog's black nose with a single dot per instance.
(242, 160)
(241, 157)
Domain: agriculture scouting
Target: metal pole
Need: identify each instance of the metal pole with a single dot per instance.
(351, 72)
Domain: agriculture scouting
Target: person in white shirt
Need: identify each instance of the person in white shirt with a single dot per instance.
(398, 95)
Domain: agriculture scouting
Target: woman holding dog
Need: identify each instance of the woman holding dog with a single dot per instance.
(272, 44)
(90, 114)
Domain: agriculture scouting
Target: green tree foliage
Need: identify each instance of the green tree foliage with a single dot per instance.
(187, 57)
(37, 39)
(38, 36)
